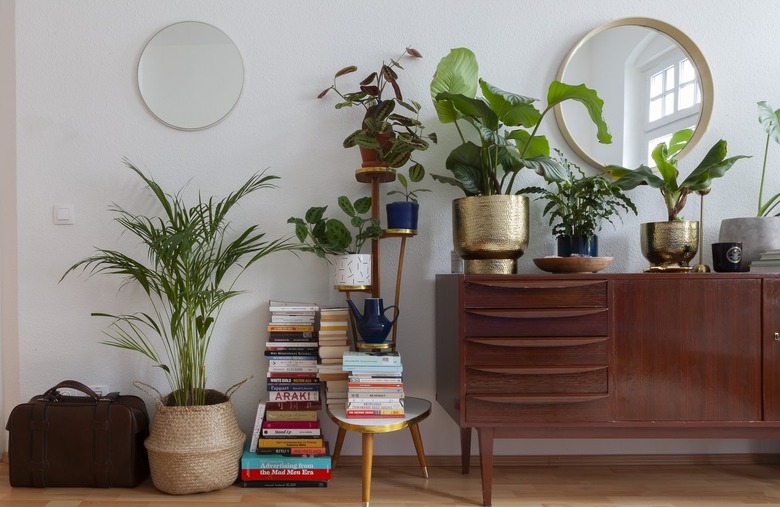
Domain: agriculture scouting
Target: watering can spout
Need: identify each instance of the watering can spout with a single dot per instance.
(354, 310)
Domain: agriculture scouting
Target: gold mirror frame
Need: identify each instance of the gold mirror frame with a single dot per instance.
(685, 44)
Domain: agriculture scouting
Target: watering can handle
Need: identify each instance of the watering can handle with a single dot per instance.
(397, 312)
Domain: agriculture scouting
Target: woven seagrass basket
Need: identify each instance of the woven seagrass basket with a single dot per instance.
(195, 449)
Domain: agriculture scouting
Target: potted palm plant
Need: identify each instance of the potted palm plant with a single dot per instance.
(390, 130)
(191, 264)
(577, 207)
(671, 244)
(503, 140)
(326, 236)
(761, 232)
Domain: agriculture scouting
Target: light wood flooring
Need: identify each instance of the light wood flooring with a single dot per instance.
(660, 485)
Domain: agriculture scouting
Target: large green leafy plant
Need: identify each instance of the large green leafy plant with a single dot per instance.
(506, 126)
(578, 205)
(392, 133)
(330, 236)
(193, 260)
(770, 120)
(713, 165)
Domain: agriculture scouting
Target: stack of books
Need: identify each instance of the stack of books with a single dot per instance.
(769, 262)
(333, 342)
(375, 386)
(287, 446)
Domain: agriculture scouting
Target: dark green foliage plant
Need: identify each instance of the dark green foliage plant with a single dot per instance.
(403, 129)
(330, 236)
(578, 205)
(193, 260)
(416, 175)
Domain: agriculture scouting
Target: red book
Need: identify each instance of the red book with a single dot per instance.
(291, 424)
(292, 374)
(276, 474)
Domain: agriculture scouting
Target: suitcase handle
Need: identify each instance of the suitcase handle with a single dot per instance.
(70, 384)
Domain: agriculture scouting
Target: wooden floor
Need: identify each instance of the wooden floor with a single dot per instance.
(726, 485)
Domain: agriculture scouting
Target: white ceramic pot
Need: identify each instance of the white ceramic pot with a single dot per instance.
(352, 270)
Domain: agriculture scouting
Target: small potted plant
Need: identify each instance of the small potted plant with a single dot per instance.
(388, 136)
(402, 215)
(503, 139)
(325, 236)
(578, 206)
(761, 232)
(670, 245)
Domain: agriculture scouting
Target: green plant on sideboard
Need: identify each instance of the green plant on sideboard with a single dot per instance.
(578, 205)
(192, 262)
(770, 120)
(330, 236)
(506, 126)
(713, 165)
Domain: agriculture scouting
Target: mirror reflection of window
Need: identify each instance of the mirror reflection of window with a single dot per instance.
(654, 81)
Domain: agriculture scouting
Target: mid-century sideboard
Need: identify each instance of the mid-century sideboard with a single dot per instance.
(685, 355)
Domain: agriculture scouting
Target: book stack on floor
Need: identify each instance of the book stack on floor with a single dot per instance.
(333, 342)
(375, 387)
(287, 446)
(769, 262)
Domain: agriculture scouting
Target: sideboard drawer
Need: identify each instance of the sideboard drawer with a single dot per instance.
(537, 351)
(518, 409)
(532, 380)
(512, 293)
(537, 322)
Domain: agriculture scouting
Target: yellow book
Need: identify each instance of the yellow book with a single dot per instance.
(290, 442)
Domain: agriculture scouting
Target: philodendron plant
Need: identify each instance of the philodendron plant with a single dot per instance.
(713, 165)
(506, 126)
(769, 119)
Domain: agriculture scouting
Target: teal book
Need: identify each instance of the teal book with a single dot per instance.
(254, 461)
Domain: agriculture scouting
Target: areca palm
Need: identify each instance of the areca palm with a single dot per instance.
(189, 274)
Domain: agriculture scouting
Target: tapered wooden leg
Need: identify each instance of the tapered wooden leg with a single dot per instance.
(418, 446)
(337, 449)
(486, 463)
(465, 450)
(368, 460)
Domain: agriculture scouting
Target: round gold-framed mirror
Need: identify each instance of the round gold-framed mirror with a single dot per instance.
(190, 75)
(654, 81)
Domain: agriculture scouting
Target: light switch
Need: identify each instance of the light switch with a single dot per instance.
(63, 214)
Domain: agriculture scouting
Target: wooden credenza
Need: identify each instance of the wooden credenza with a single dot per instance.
(607, 355)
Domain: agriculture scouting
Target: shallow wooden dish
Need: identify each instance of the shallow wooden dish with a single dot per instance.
(572, 264)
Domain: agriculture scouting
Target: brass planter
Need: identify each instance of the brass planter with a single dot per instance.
(490, 232)
(669, 246)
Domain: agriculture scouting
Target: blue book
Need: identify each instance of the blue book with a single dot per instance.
(254, 461)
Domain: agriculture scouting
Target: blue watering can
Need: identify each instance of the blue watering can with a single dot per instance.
(373, 326)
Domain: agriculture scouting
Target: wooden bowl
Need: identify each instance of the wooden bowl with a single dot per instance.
(573, 264)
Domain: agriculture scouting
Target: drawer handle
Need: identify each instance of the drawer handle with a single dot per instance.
(537, 285)
(537, 342)
(540, 399)
(538, 314)
(552, 370)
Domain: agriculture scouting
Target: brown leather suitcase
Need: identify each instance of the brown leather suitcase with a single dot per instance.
(78, 441)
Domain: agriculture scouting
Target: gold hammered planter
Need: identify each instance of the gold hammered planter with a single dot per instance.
(490, 232)
(669, 246)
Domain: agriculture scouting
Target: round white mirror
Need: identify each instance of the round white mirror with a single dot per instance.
(190, 75)
(654, 81)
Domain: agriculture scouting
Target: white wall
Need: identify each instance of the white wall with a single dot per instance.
(9, 382)
(78, 112)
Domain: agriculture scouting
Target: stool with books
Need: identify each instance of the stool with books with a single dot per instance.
(376, 404)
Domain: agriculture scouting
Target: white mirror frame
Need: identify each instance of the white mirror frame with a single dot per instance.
(190, 75)
(685, 44)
